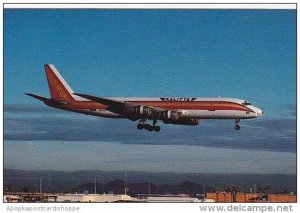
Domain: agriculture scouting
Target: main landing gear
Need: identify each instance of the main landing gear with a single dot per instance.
(237, 122)
(142, 125)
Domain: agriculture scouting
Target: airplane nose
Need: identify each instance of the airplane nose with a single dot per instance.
(259, 112)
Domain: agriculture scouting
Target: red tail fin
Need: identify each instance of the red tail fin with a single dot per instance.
(59, 89)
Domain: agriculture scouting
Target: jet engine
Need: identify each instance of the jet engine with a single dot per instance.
(169, 116)
(138, 110)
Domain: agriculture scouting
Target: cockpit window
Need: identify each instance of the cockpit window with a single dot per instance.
(246, 103)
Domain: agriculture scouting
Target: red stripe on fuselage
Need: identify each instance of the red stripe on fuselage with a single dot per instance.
(195, 105)
(171, 105)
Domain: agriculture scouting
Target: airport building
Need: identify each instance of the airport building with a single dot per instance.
(98, 198)
(12, 198)
(227, 197)
(222, 197)
(63, 198)
(171, 199)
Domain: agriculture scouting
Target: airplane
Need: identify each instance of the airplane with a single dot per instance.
(170, 110)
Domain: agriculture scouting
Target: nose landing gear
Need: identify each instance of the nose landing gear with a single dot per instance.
(143, 125)
(237, 122)
(237, 127)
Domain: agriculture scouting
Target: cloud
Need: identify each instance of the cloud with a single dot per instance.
(266, 133)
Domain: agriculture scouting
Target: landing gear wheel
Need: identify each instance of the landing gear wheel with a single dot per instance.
(143, 125)
(237, 126)
(148, 127)
(140, 126)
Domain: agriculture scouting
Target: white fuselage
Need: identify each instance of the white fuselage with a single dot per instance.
(200, 108)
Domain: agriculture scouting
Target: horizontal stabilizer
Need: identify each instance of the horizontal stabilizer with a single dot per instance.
(46, 100)
(41, 98)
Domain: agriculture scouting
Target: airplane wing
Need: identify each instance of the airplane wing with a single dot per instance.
(131, 110)
(104, 101)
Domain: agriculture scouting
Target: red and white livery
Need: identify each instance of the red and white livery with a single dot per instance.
(170, 110)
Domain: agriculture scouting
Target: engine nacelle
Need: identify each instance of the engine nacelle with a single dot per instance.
(138, 110)
(169, 116)
(185, 121)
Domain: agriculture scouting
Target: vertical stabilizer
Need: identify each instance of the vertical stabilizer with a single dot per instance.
(59, 89)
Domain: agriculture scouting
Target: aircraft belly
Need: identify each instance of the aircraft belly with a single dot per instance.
(202, 114)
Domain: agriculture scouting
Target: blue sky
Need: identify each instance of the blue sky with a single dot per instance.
(249, 54)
